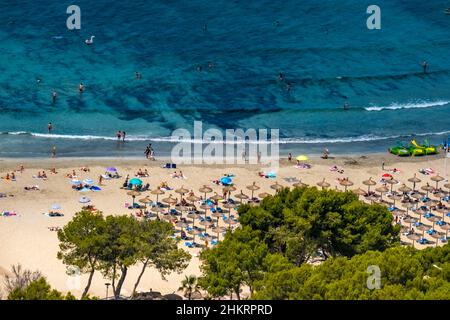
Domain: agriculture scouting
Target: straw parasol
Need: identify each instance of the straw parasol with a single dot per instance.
(300, 184)
(404, 189)
(216, 197)
(263, 195)
(359, 192)
(427, 188)
(253, 187)
(392, 182)
(408, 205)
(443, 211)
(241, 196)
(193, 198)
(228, 189)
(169, 200)
(194, 232)
(437, 179)
(276, 186)
(396, 197)
(447, 185)
(414, 237)
(157, 192)
(414, 180)
(145, 200)
(381, 190)
(205, 189)
(323, 184)
(181, 224)
(133, 194)
(440, 194)
(346, 183)
(182, 191)
(369, 183)
(218, 230)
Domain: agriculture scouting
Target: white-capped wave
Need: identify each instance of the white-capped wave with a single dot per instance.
(418, 105)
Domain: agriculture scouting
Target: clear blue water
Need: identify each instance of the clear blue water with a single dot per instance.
(322, 47)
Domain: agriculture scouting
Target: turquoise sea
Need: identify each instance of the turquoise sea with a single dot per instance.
(219, 62)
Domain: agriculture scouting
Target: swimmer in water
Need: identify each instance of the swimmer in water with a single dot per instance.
(210, 65)
(289, 86)
(281, 77)
(138, 76)
(425, 66)
(50, 127)
(81, 87)
(346, 105)
(54, 94)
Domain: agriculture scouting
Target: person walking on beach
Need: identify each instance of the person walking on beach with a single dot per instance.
(147, 152)
(425, 66)
(100, 180)
(54, 96)
(50, 127)
(290, 157)
(382, 166)
(54, 152)
(119, 135)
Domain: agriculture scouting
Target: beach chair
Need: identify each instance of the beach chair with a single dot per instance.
(214, 242)
(189, 244)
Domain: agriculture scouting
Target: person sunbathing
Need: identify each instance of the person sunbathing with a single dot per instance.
(85, 169)
(32, 188)
(53, 170)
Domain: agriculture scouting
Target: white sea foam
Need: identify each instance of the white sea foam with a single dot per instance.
(419, 105)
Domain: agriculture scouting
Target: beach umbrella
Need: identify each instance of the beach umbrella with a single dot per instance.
(371, 198)
(410, 220)
(433, 219)
(133, 194)
(427, 188)
(253, 187)
(157, 192)
(416, 195)
(369, 183)
(192, 198)
(404, 189)
(241, 196)
(226, 180)
(218, 230)
(445, 226)
(414, 180)
(381, 190)
(396, 197)
(276, 186)
(263, 195)
(302, 158)
(323, 184)
(408, 205)
(111, 169)
(437, 179)
(392, 182)
(346, 183)
(182, 191)
(145, 200)
(447, 185)
(300, 184)
(55, 206)
(440, 195)
(168, 217)
(205, 189)
(230, 222)
(414, 237)
(228, 206)
(359, 192)
(443, 211)
(157, 210)
(216, 197)
(181, 225)
(169, 200)
(229, 189)
(217, 215)
(84, 200)
(135, 182)
(194, 232)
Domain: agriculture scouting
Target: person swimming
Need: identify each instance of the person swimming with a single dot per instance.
(90, 41)
(81, 87)
(50, 127)
(425, 66)
(54, 94)
(281, 77)
(346, 105)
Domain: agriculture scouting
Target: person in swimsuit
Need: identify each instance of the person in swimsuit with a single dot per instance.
(81, 87)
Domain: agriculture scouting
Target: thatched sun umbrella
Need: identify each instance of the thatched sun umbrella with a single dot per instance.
(404, 188)
(263, 195)
(276, 186)
(447, 186)
(346, 183)
(427, 188)
(133, 194)
(253, 187)
(228, 206)
(145, 201)
(383, 189)
(192, 198)
(170, 201)
(437, 179)
(216, 197)
(443, 211)
(414, 180)
(323, 184)
(360, 192)
(205, 189)
(414, 237)
(408, 205)
(241, 196)
(181, 225)
(396, 197)
(182, 191)
(228, 190)
(369, 182)
(157, 192)
(218, 230)
(392, 182)
(300, 184)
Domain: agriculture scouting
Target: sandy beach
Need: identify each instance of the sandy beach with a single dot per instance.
(26, 238)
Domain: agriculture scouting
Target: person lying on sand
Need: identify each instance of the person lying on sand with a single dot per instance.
(54, 228)
(53, 170)
(85, 169)
(32, 188)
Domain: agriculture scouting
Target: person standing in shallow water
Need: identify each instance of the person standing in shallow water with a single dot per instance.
(123, 135)
(54, 152)
(54, 94)
(50, 127)
(425, 66)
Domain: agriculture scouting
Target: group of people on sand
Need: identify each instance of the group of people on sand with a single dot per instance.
(142, 173)
(9, 177)
(178, 175)
(41, 175)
